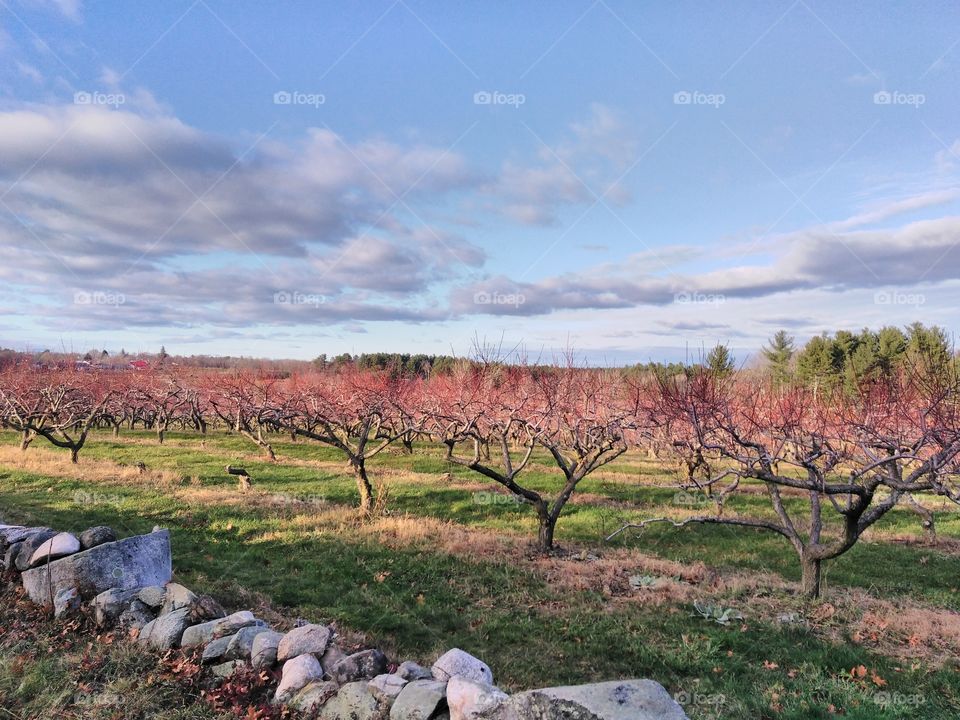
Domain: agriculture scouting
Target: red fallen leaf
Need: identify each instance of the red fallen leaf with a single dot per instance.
(770, 665)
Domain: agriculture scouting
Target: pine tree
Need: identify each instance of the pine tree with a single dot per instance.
(720, 361)
(779, 352)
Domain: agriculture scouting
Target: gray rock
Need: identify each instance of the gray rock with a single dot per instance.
(60, 545)
(457, 662)
(419, 700)
(409, 670)
(312, 639)
(364, 665)
(313, 696)
(99, 535)
(205, 632)
(165, 631)
(135, 615)
(215, 650)
(331, 657)
(263, 652)
(6, 530)
(226, 669)
(241, 644)
(385, 688)
(10, 556)
(108, 605)
(618, 700)
(296, 674)
(130, 563)
(471, 700)
(29, 547)
(353, 701)
(176, 597)
(152, 595)
(16, 535)
(66, 601)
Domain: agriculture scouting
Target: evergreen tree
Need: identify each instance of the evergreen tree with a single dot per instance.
(720, 361)
(779, 352)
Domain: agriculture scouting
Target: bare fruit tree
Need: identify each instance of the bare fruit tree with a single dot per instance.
(852, 458)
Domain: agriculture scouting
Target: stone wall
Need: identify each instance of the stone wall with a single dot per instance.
(128, 584)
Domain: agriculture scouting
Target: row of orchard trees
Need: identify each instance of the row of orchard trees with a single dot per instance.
(832, 463)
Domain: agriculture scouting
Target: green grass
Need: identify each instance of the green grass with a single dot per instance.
(419, 600)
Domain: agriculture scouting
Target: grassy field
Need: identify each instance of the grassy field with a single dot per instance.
(451, 565)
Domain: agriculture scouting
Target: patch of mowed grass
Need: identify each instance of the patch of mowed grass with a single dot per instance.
(635, 491)
(418, 602)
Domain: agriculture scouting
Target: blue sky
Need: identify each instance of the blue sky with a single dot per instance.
(634, 180)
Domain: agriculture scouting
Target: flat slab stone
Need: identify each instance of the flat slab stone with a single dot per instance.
(617, 700)
(134, 562)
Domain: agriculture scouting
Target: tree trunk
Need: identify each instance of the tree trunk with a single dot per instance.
(812, 576)
(926, 519)
(74, 454)
(363, 487)
(545, 532)
(116, 430)
(160, 432)
(26, 438)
